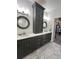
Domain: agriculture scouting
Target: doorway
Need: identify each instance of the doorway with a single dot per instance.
(57, 26)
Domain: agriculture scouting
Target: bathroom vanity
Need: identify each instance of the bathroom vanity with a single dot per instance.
(26, 45)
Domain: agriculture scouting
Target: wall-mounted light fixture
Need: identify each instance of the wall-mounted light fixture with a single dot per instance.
(46, 16)
(27, 11)
(23, 10)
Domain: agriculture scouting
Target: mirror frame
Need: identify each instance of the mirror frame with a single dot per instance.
(18, 18)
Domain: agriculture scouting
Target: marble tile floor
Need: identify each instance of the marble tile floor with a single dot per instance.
(49, 51)
(58, 39)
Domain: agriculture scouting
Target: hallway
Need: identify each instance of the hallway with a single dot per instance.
(49, 51)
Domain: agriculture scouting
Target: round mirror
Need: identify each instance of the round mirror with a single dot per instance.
(22, 22)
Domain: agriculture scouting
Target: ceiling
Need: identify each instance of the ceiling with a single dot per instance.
(52, 7)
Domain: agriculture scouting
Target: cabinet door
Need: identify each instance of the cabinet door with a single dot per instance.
(33, 43)
(39, 41)
(24, 47)
(46, 38)
(39, 20)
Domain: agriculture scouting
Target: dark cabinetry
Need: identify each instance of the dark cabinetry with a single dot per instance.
(38, 11)
(28, 45)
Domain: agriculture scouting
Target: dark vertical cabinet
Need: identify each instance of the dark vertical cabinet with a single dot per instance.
(38, 11)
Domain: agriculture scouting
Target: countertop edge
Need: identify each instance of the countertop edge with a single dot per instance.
(31, 35)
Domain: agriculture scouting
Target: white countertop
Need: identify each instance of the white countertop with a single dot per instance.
(31, 35)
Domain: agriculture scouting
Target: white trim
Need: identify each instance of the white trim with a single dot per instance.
(53, 30)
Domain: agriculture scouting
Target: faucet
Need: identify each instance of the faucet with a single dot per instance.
(22, 34)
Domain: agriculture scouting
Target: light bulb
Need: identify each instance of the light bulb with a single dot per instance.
(46, 18)
(27, 11)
